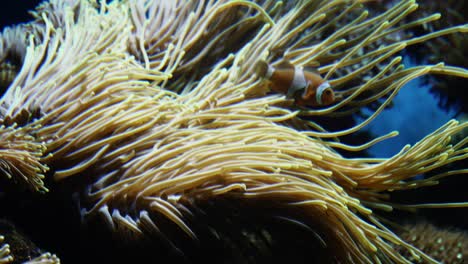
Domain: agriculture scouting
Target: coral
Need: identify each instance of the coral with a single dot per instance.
(153, 108)
(17, 248)
(448, 246)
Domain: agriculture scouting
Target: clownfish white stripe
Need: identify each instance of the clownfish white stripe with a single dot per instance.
(299, 82)
(320, 89)
(269, 72)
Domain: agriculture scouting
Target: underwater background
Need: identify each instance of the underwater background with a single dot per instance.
(422, 106)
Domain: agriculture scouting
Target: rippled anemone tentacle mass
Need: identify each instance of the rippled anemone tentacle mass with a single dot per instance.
(156, 106)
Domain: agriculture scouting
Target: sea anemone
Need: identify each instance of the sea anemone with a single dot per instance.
(153, 108)
(5, 256)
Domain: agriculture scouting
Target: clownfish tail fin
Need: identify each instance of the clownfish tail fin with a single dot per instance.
(261, 68)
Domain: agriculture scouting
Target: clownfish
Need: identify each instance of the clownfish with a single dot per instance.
(304, 85)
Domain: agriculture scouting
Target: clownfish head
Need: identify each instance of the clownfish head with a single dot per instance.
(318, 91)
(324, 94)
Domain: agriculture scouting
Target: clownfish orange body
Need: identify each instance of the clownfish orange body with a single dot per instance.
(304, 85)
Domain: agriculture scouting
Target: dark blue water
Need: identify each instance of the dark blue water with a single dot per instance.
(15, 12)
(415, 113)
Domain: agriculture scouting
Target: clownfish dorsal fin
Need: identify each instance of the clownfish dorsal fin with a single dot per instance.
(284, 64)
